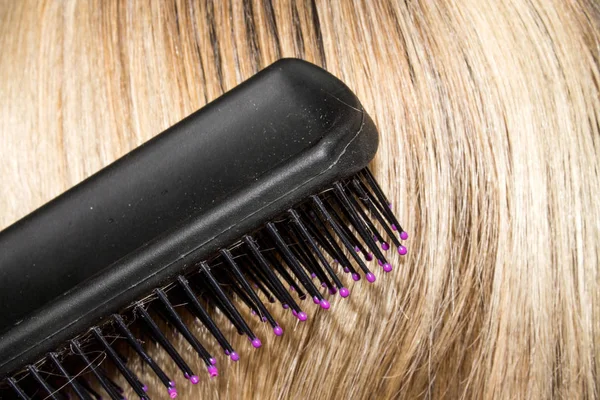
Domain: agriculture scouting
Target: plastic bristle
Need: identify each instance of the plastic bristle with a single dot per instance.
(163, 341)
(292, 262)
(81, 392)
(357, 245)
(17, 389)
(366, 199)
(263, 265)
(226, 254)
(316, 232)
(299, 253)
(258, 281)
(303, 233)
(118, 361)
(357, 222)
(344, 239)
(174, 318)
(377, 237)
(338, 253)
(309, 259)
(115, 387)
(226, 303)
(50, 391)
(232, 286)
(137, 347)
(201, 286)
(384, 202)
(106, 384)
(287, 277)
(198, 310)
(304, 252)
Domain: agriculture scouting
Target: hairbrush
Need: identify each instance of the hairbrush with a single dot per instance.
(262, 196)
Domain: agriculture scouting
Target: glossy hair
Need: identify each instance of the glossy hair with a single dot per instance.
(488, 113)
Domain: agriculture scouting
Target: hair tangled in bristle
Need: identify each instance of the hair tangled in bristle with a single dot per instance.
(489, 150)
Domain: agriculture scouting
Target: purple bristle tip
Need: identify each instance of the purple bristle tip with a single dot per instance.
(145, 388)
(380, 263)
(278, 331)
(335, 261)
(252, 312)
(285, 306)
(194, 379)
(390, 206)
(356, 277)
(256, 343)
(402, 250)
(387, 267)
(332, 290)
(292, 288)
(369, 257)
(213, 361)
(294, 313)
(325, 304)
(346, 269)
(172, 392)
(385, 246)
(316, 300)
(357, 249)
(323, 284)
(212, 371)
(302, 316)
(234, 356)
(313, 275)
(344, 292)
(371, 277)
(403, 235)
(394, 227)
(227, 352)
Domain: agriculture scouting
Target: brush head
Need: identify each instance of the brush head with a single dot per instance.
(199, 186)
(191, 209)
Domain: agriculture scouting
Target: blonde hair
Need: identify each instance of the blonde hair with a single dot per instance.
(488, 113)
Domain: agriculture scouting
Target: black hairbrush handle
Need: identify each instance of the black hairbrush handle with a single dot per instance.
(279, 137)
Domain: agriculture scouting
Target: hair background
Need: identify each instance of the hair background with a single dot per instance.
(488, 113)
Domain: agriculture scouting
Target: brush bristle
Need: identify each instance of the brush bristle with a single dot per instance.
(306, 250)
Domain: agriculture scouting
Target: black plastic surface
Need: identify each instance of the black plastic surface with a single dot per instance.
(286, 133)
